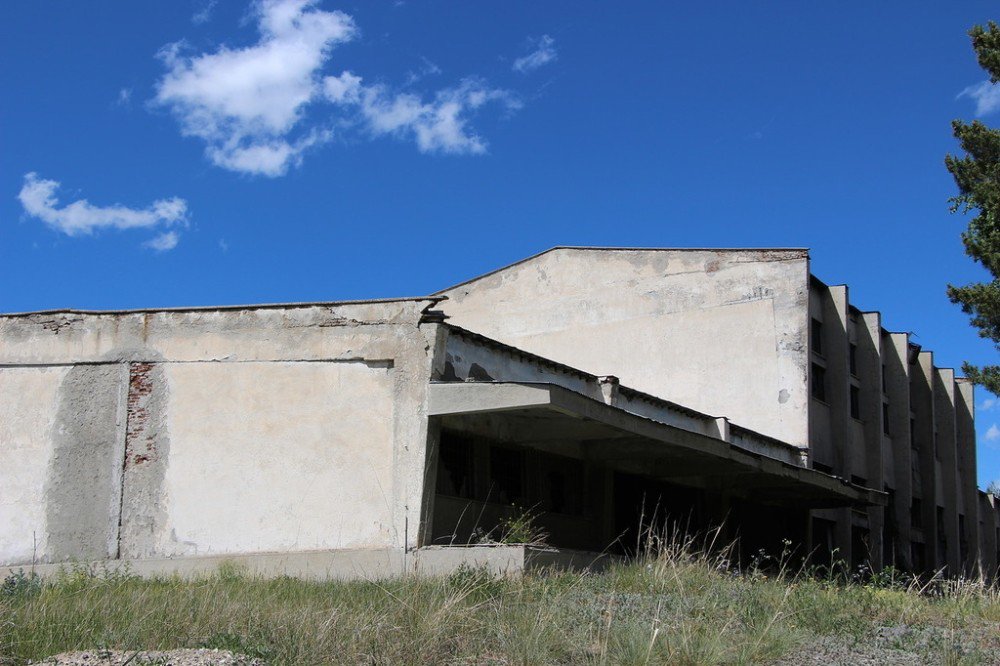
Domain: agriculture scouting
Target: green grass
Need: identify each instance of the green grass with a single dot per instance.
(676, 608)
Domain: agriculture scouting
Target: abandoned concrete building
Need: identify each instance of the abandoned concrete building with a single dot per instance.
(596, 388)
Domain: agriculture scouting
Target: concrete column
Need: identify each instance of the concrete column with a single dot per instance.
(988, 514)
(922, 406)
(608, 495)
(869, 371)
(897, 393)
(430, 483)
(944, 414)
(420, 483)
(965, 441)
(835, 350)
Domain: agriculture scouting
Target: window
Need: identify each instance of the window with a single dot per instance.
(917, 555)
(855, 402)
(885, 380)
(506, 475)
(454, 475)
(818, 381)
(852, 355)
(563, 482)
(885, 418)
(816, 336)
(916, 513)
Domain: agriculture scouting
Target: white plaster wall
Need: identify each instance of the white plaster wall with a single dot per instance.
(722, 332)
(277, 457)
(261, 428)
(28, 404)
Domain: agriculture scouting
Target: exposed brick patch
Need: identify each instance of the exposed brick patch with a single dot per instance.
(140, 445)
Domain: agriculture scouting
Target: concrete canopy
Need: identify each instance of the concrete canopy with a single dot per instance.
(551, 417)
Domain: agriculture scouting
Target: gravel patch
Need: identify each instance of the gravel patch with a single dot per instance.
(902, 645)
(199, 657)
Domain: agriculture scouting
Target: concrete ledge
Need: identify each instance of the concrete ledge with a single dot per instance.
(310, 565)
(506, 559)
(500, 559)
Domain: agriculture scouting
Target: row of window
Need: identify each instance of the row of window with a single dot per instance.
(473, 469)
(816, 339)
(818, 389)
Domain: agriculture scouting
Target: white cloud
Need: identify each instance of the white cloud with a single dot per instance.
(427, 68)
(992, 434)
(164, 242)
(343, 89)
(38, 196)
(986, 96)
(439, 125)
(124, 97)
(249, 104)
(544, 53)
(244, 103)
(204, 14)
(987, 404)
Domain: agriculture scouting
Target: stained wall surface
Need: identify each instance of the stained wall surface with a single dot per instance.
(720, 331)
(211, 432)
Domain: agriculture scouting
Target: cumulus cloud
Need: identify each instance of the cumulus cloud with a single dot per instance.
(439, 125)
(992, 434)
(164, 242)
(244, 103)
(987, 404)
(38, 197)
(249, 105)
(544, 53)
(986, 95)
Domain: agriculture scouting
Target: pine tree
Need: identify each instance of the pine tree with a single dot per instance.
(977, 175)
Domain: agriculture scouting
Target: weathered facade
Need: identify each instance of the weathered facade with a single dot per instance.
(593, 387)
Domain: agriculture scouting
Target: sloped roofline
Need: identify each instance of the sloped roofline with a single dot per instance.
(432, 300)
(601, 248)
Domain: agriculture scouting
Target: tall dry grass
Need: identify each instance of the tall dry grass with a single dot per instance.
(677, 604)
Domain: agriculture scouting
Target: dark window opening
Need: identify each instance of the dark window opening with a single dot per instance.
(917, 556)
(506, 476)
(818, 382)
(820, 467)
(885, 418)
(816, 336)
(852, 354)
(454, 475)
(855, 402)
(563, 481)
(885, 380)
(822, 541)
(916, 513)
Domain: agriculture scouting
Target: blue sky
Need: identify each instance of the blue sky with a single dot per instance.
(198, 152)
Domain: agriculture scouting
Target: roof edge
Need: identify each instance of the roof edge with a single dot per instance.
(221, 308)
(617, 249)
